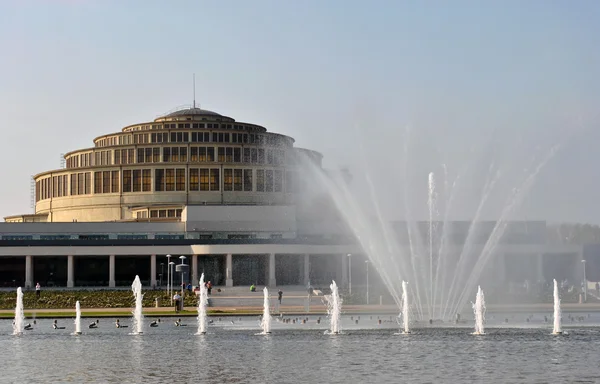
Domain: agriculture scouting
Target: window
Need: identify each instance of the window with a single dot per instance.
(97, 182)
(194, 154)
(166, 154)
(115, 181)
(194, 182)
(248, 180)
(148, 155)
(269, 156)
(65, 185)
(246, 155)
(221, 154)
(140, 155)
(183, 154)
(137, 180)
(159, 180)
(130, 156)
(106, 182)
(237, 155)
(146, 180)
(169, 180)
(254, 155)
(210, 154)
(80, 184)
(278, 181)
(180, 175)
(260, 180)
(215, 184)
(237, 179)
(229, 154)
(269, 180)
(156, 155)
(204, 179)
(127, 180)
(228, 179)
(261, 156)
(175, 154)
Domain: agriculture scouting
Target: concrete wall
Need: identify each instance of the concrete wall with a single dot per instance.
(240, 218)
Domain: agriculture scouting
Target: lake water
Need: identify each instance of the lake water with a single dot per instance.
(298, 353)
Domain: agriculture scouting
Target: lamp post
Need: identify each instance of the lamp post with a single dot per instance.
(168, 275)
(349, 273)
(584, 283)
(367, 262)
(171, 264)
(162, 272)
(182, 258)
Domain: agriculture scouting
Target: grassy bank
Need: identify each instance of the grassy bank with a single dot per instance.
(88, 299)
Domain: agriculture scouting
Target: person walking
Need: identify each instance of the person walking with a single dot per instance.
(279, 296)
(38, 290)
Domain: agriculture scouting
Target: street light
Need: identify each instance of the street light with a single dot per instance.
(349, 273)
(367, 262)
(584, 283)
(183, 268)
(171, 264)
(168, 275)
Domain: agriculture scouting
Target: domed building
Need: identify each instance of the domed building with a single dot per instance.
(227, 195)
(152, 170)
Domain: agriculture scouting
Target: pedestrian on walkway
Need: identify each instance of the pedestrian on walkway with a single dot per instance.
(38, 290)
(279, 296)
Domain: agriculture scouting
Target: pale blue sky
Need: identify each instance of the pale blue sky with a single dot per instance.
(469, 78)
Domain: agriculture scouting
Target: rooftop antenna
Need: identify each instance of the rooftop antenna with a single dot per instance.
(194, 90)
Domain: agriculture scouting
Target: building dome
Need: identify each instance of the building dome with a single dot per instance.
(192, 111)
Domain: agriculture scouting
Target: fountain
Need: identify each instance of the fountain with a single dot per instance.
(202, 303)
(334, 309)
(136, 287)
(405, 308)
(77, 318)
(557, 330)
(265, 322)
(421, 252)
(19, 316)
(479, 310)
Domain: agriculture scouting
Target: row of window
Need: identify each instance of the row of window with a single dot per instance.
(180, 155)
(193, 137)
(168, 180)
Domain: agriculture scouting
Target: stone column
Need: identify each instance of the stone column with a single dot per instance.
(306, 268)
(229, 271)
(195, 279)
(28, 271)
(272, 278)
(344, 270)
(540, 267)
(111, 271)
(153, 271)
(70, 272)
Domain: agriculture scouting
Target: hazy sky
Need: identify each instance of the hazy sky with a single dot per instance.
(476, 83)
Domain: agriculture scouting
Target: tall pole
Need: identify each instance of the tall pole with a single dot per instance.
(367, 262)
(584, 283)
(168, 275)
(171, 283)
(350, 273)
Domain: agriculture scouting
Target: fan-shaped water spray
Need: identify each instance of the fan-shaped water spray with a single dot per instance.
(138, 318)
(19, 315)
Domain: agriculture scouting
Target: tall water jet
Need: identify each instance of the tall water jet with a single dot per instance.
(265, 323)
(202, 303)
(557, 330)
(431, 205)
(19, 316)
(479, 310)
(136, 287)
(334, 309)
(405, 318)
(77, 318)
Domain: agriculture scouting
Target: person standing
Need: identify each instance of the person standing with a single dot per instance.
(38, 290)
(279, 296)
(177, 299)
